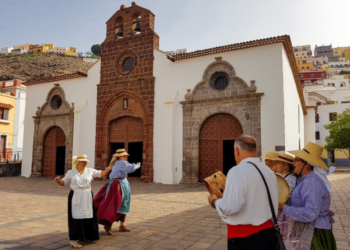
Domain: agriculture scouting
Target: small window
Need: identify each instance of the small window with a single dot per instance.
(317, 135)
(301, 75)
(312, 75)
(322, 74)
(332, 116)
(4, 114)
(317, 118)
(341, 85)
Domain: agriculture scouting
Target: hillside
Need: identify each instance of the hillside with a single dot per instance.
(32, 67)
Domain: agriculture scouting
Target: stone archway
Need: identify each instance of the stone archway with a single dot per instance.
(54, 152)
(55, 112)
(237, 99)
(216, 139)
(122, 105)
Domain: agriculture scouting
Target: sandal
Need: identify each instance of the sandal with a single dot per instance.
(123, 229)
(74, 244)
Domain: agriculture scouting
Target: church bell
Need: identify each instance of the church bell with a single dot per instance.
(138, 26)
(120, 31)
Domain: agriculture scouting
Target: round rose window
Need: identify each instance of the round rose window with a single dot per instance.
(128, 64)
(56, 102)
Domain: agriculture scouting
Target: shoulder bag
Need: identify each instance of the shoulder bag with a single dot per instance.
(279, 243)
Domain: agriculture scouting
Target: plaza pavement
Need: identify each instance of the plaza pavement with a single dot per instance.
(33, 215)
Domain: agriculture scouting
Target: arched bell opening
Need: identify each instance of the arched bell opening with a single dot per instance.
(119, 27)
(136, 23)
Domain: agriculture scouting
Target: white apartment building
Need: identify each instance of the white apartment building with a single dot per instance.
(329, 97)
(6, 50)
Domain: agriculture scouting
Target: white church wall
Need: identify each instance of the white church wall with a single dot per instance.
(293, 113)
(80, 91)
(262, 64)
(309, 126)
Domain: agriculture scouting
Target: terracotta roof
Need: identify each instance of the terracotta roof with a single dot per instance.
(56, 78)
(5, 105)
(285, 40)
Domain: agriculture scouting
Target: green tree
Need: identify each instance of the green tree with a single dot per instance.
(96, 49)
(344, 72)
(339, 133)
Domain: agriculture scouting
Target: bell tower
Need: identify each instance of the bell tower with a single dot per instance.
(125, 94)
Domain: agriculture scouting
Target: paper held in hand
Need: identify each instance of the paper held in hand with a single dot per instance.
(216, 184)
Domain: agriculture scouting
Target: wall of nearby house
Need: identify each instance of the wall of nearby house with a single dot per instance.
(266, 65)
(80, 91)
(293, 112)
(7, 126)
(309, 125)
(323, 111)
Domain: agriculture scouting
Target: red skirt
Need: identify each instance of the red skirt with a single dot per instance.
(107, 207)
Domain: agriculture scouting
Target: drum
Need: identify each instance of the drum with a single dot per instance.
(216, 184)
(283, 189)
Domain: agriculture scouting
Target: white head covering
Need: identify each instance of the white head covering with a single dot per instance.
(320, 172)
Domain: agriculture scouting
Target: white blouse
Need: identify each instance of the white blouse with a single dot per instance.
(245, 199)
(81, 185)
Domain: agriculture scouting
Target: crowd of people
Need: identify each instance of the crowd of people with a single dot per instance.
(250, 200)
(249, 206)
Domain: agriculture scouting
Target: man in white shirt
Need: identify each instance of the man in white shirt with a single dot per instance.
(245, 204)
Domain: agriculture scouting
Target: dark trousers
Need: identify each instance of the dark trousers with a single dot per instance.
(263, 240)
(80, 229)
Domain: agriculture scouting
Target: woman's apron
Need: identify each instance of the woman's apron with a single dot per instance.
(82, 203)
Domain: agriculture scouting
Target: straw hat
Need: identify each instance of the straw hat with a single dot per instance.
(270, 155)
(311, 154)
(121, 152)
(285, 158)
(78, 158)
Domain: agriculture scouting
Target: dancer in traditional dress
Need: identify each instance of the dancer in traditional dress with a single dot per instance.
(82, 219)
(284, 167)
(270, 159)
(309, 202)
(113, 200)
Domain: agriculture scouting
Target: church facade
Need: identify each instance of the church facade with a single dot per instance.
(177, 114)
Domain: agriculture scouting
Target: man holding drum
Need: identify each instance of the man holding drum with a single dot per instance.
(245, 204)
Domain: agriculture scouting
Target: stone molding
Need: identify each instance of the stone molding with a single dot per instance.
(47, 118)
(237, 99)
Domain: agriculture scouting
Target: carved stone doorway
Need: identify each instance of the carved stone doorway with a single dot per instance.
(216, 137)
(54, 152)
(127, 132)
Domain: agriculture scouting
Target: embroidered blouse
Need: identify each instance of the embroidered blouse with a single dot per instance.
(310, 201)
(122, 168)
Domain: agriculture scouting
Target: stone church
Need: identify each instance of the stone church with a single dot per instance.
(177, 114)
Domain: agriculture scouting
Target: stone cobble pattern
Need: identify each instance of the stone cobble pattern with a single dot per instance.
(34, 216)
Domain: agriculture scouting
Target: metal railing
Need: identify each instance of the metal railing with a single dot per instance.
(14, 156)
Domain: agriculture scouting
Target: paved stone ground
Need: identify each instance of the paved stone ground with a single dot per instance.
(33, 215)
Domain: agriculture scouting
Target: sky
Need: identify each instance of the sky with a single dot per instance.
(191, 24)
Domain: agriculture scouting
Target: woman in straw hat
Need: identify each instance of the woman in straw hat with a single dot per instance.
(82, 219)
(309, 203)
(270, 159)
(113, 200)
(284, 166)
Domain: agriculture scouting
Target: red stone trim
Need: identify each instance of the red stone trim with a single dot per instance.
(285, 40)
(57, 78)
